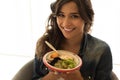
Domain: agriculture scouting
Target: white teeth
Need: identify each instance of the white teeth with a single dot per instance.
(67, 29)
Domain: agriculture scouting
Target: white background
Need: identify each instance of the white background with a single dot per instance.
(22, 22)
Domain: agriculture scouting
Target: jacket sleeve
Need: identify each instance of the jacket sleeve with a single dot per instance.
(39, 69)
(104, 67)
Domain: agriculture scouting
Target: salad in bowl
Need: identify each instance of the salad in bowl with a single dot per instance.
(62, 61)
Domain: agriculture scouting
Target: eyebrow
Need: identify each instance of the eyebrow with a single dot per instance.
(75, 13)
(70, 13)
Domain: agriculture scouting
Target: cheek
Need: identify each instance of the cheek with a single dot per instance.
(58, 23)
(80, 25)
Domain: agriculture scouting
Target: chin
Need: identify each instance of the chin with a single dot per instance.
(67, 37)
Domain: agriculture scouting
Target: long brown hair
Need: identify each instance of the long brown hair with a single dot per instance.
(53, 34)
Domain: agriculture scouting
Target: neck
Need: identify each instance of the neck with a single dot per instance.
(74, 41)
(73, 44)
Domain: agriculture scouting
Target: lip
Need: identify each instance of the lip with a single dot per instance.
(68, 29)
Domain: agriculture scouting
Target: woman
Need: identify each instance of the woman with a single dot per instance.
(67, 29)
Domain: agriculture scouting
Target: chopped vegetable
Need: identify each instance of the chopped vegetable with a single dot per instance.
(65, 64)
(54, 55)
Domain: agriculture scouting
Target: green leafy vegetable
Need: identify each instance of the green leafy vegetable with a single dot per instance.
(65, 64)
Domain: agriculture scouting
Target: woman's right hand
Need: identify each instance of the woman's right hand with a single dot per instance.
(51, 76)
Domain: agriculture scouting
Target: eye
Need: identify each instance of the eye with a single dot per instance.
(74, 16)
(60, 15)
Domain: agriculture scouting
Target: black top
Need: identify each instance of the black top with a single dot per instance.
(96, 57)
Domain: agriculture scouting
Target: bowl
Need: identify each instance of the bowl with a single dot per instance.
(72, 58)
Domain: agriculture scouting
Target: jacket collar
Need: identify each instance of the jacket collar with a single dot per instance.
(83, 45)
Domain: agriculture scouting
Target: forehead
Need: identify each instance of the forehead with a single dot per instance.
(69, 7)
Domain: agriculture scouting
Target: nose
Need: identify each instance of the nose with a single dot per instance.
(66, 22)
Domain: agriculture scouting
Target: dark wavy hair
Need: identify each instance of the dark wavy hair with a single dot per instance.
(53, 34)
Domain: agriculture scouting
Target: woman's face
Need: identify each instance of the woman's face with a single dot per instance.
(69, 21)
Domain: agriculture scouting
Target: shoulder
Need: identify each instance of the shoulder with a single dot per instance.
(96, 45)
(97, 48)
(94, 41)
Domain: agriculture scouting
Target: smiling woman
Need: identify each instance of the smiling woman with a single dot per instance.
(70, 22)
(22, 23)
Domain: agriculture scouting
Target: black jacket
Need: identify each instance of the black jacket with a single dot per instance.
(96, 57)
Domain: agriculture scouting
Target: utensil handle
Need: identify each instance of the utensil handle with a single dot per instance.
(50, 46)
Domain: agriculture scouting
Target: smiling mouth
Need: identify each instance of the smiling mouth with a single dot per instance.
(69, 29)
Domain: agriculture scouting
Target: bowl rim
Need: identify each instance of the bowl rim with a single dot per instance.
(58, 69)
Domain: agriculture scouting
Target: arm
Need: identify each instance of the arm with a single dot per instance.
(39, 69)
(104, 67)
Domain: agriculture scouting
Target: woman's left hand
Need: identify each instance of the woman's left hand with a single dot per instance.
(75, 75)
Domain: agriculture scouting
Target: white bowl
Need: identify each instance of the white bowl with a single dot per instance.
(64, 54)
